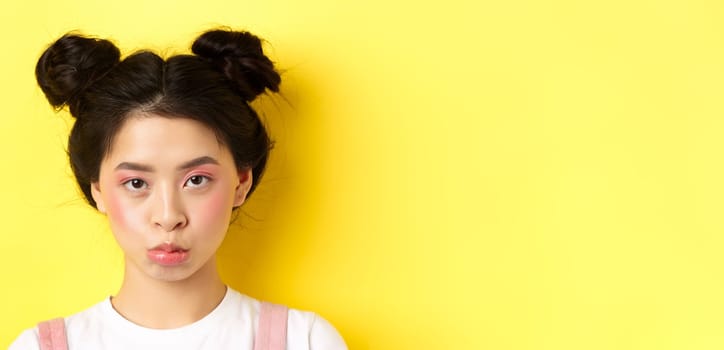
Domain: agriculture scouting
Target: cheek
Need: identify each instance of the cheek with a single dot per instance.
(121, 216)
(215, 208)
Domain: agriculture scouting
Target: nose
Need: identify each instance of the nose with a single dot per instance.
(168, 212)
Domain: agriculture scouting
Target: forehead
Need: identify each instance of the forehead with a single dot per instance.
(158, 139)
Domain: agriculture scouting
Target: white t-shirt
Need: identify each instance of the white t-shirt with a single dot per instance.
(231, 325)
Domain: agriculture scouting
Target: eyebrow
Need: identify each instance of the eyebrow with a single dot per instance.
(187, 165)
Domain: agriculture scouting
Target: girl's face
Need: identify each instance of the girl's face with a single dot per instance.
(168, 188)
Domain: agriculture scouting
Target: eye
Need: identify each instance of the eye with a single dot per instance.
(135, 184)
(197, 181)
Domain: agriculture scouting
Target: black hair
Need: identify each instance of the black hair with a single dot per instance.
(214, 86)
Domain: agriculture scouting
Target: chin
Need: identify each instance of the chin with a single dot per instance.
(172, 276)
(153, 272)
(185, 272)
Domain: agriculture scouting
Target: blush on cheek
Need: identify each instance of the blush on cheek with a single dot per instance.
(118, 214)
(215, 209)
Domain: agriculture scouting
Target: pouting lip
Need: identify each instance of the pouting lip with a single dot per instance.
(168, 247)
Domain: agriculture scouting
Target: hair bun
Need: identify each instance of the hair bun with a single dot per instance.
(71, 64)
(239, 55)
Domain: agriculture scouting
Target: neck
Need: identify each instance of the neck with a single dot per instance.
(146, 301)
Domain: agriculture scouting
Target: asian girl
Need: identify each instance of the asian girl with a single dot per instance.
(166, 149)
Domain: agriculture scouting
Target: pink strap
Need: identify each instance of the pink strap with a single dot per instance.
(272, 331)
(52, 335)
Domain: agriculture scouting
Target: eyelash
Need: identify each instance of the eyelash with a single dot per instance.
(188, 183)
(129, 185)
(205, 180)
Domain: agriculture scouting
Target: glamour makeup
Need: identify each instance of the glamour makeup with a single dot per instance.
(168, 254)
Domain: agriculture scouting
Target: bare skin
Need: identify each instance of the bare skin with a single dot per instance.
(164, 305)
(169, 182)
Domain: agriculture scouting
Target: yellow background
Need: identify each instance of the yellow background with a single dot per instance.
(448, 175)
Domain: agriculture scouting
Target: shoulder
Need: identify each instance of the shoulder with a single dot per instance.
(27, 340)
(303, 327)
(308, 327)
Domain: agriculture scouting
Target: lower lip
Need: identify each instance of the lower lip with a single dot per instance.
(165, 258)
